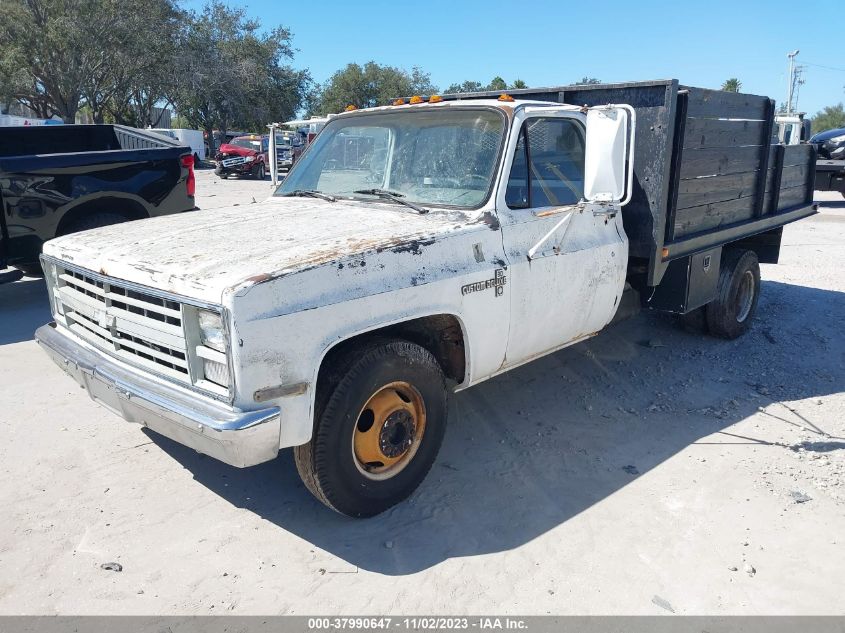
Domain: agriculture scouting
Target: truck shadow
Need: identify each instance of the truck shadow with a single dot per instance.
(839, 204)
(24, 307)
(529, 450)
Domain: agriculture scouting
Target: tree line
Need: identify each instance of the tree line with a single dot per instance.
(123, 61)
(373, 84)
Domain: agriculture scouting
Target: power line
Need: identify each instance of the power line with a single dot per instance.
(841, 70)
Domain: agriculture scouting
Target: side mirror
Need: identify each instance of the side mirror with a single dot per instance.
(609, 156)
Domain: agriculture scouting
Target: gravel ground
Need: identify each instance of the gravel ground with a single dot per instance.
(646, 471)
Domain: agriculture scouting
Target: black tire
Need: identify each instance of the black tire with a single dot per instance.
(328, 464)
(730, 314)
(95, 221)
(259, 173)
(197, 160)
(31, 270)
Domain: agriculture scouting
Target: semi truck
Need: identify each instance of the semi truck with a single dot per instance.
(472, 234)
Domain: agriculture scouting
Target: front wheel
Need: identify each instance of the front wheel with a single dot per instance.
(32, 269)
(95, 221)
(259, 172)
(737, 292)
(380, 421)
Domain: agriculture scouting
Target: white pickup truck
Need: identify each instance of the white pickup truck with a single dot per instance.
(416, 249)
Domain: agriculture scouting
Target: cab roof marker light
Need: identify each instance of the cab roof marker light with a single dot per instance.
(435, 99)
(504, 97)
(417, 99)
(399, 102)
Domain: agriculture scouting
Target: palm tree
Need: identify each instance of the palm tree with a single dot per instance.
(732, 85)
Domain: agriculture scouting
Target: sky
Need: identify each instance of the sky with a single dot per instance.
(556, 43)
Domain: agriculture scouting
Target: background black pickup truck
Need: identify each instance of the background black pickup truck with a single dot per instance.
(56, 180)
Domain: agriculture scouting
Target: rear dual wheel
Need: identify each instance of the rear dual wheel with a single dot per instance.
(730, 314)
(380, 421)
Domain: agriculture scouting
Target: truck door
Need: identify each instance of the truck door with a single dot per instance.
(568, 257)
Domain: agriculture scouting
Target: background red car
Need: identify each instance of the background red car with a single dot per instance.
(243, 156)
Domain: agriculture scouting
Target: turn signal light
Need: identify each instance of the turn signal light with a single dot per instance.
(504, 97)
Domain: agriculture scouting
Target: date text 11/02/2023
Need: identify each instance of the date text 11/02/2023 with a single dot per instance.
(416, 623)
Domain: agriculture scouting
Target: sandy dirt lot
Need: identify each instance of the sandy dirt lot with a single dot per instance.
(646, 471)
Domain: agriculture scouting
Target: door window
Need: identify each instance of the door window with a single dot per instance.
(548, 164)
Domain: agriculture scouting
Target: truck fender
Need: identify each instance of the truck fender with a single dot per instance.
(443, 334)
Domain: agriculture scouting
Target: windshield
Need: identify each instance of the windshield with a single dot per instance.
(442, 156)
(247, 143)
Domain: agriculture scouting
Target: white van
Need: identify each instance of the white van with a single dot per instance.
(191, 138)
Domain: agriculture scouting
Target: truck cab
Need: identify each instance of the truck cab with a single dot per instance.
(413, 250)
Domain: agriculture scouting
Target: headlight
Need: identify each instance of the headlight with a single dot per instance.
(836, 139)
(212, 333)
(215, 366)
(249, 159)
(215, 372)
(212, 352)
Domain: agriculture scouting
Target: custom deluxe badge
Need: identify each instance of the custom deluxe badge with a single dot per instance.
(497, 283)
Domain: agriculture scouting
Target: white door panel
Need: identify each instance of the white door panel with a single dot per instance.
(567, 257)
(571, 286)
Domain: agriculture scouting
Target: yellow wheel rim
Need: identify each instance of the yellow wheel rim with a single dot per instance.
(389, 430)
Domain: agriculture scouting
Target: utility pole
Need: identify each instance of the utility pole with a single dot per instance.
(274, 165)
(791, 57)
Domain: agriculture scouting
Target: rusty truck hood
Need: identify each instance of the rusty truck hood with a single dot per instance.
(203, 253)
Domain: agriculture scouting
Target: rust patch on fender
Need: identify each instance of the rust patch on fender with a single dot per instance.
(260, 278)
(490, 220)
(414, 246)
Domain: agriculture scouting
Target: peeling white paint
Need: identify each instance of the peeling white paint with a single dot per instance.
(297, 276)
(201, 254)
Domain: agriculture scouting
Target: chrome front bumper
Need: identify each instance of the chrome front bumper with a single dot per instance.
(238, 438)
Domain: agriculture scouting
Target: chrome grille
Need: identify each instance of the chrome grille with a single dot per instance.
(140, 328)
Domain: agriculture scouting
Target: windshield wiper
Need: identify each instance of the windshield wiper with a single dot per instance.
(394, 196)
(310, 193)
